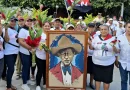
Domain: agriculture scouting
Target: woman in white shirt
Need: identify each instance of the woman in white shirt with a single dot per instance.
(124, 57)
(41, 59)
(25, 55)
(103, 57)
(11, 50)
(1, 46)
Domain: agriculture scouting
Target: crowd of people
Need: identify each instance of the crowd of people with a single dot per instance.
(102, 52)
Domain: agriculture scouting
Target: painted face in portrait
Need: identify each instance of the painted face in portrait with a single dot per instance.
(66, 56)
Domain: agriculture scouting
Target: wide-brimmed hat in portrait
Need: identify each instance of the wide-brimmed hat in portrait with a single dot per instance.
(65, 43)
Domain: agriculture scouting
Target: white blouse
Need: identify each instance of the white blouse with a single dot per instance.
(23, 34)
(103, 51)
(124, 55)
(10, 49)
(41, 54)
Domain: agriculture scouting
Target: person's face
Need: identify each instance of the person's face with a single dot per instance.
(104, 31)
(21, 22)
(29, 23)
(57, 24)
(66, 56)
(70, 29)
(120, 24)
(91, 29)
(99, 15)
(128, 29)
(114, 18)
(34, 22)
(111, 21)
(12, 23)
(46, 27)
(78, 27)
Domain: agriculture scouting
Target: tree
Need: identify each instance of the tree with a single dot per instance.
(32, 3)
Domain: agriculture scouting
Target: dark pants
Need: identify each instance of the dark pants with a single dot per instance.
(10, 61)
(1, 66)
(5, 70)
(124, 77)
(26, 62)
(33, 69)
(41, 65)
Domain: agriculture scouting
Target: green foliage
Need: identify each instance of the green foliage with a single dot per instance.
(107, 4)
(65, 20)
(41, 16)
(89, 18)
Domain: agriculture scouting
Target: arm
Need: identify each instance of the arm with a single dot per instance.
(115, 49)
(6, 37)
(114, 33)
(23, 44)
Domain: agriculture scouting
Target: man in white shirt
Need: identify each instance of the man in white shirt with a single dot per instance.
(99, 18)
(124, 59)
(111, 27)
(115, 22)
(120, 30)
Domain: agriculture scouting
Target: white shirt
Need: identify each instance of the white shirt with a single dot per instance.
(116, 23)
(67, 79)
(124, 54)
(98, 19)
(41, 54)
(1, 47)
(112, 28)
(100, 56)
(10, 49)
(120, 31)
(23, 34)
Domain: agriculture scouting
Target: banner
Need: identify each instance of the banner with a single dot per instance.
(82, 6)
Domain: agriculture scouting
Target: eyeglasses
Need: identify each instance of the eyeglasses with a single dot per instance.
(30, 20)
(12, 20)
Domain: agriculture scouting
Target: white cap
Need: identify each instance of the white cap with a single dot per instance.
(69, 25)
(110, 19)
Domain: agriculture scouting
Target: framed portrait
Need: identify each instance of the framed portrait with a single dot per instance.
(67, 61)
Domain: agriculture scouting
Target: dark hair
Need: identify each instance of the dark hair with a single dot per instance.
(127, 23)
(45, 23)
(91, 25)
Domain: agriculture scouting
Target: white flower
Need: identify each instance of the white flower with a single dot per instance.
(2, 21)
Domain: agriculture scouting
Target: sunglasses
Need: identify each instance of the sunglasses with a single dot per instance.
(29, 20)
(12, 20)
(21, 20)
(0, 16)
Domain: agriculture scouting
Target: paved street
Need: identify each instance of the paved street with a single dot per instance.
(114, 86)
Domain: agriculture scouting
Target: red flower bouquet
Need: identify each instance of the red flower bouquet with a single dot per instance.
(33, 40)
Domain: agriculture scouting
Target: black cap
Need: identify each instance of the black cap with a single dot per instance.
(13, 18)
(91, 25)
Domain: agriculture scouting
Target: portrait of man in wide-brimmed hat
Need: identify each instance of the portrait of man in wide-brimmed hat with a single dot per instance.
(65, 71)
